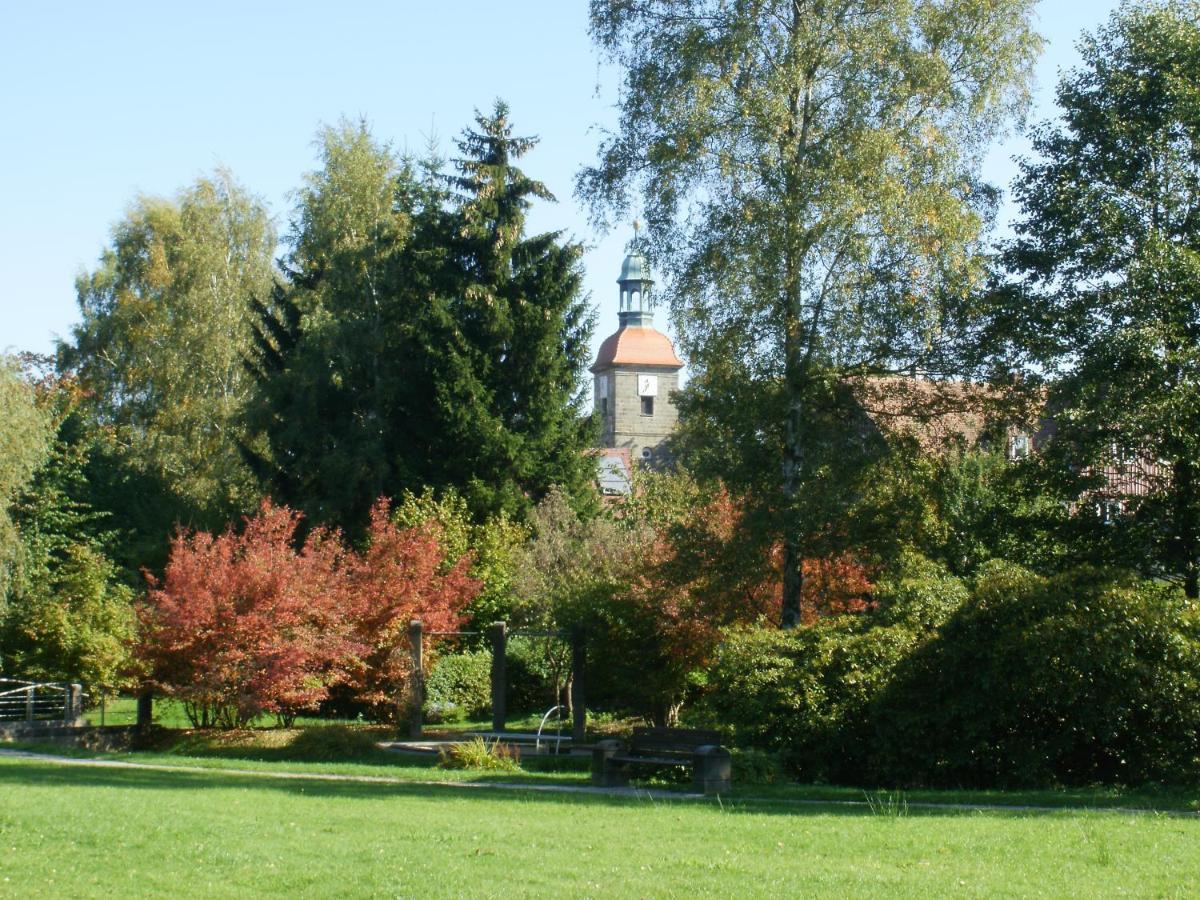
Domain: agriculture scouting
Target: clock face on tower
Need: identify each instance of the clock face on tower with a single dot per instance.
(647, 385)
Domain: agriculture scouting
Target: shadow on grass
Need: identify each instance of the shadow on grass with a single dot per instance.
(32, 773)
(382, 758)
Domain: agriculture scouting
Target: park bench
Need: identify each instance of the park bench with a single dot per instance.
(659, 748)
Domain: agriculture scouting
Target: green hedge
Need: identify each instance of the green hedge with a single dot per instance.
(459, 686)
(1082, 678)
(1024, 681)
(809, 694)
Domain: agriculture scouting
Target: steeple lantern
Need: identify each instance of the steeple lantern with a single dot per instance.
(635, 306)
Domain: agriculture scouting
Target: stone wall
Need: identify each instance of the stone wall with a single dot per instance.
(624, 426)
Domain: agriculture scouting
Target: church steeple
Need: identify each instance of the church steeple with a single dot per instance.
(637, 373)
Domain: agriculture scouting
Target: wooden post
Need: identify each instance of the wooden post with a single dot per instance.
(73, 704)
(145, 709)
(29, 703)
(415, 643)
(578, 703)
(499, 634)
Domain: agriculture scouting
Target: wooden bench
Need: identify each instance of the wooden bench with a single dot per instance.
(660, 748)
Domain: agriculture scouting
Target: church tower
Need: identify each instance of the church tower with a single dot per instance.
(636, 372)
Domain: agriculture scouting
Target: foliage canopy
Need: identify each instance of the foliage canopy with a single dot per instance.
(1103, 305)
(808, 173)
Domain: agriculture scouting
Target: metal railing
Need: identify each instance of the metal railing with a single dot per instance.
(558, 738)
(30, 701)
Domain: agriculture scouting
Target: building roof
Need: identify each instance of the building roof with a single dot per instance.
(938, 414)
(635, 268)
(614, 471)
(637, 345)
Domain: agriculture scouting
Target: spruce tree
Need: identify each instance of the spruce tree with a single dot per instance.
(423, 340)
(514, 417)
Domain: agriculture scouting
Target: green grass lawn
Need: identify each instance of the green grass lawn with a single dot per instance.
(68, 831)
(266, 749)
(169, 714)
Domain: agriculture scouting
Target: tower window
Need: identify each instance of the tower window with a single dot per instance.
(604, 406)
(647, 406)
(647, 454)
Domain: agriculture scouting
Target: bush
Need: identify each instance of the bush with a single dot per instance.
(332, 742)
(532, 665)
(752, 766)
(1087, 677)
(919, 594)
(479, 754)
(1081, 678)
(459, 686)
(808, 694)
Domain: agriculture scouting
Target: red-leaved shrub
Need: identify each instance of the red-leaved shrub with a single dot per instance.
(249, 623)
(401, 575)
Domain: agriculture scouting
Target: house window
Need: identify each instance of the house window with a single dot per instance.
(1108, 511)
(1018, 448)
(1123, 455)
(647, 406)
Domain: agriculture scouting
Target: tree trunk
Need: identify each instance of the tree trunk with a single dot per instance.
(794, 344)
(666, 714)
(793, 474)
(793, 584)
(1187, 540)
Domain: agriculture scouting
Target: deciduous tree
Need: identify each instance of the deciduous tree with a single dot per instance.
(166, 324)
(25, 435)
(402, 574)
(808, 170)
(260, 622)
(335, 361)
(245, 624)
(69, 614)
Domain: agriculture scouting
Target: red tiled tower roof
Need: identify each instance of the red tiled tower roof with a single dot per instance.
(636, 345)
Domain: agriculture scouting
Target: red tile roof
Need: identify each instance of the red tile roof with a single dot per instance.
(636, 345)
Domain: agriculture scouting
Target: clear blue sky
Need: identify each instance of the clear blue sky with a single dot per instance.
(102, 101)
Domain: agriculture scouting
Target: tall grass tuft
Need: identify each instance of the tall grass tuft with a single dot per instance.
(889, 804)
(479, 754)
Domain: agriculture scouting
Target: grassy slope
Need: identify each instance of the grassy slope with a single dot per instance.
(117, 832)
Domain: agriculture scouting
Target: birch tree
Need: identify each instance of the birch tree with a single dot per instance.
(809, 175)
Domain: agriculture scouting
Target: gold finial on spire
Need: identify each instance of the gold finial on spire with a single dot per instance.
(637, 227)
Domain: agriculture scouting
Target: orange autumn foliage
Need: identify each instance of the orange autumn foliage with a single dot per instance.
(248, 623)
(701, 572)
(400, 577)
